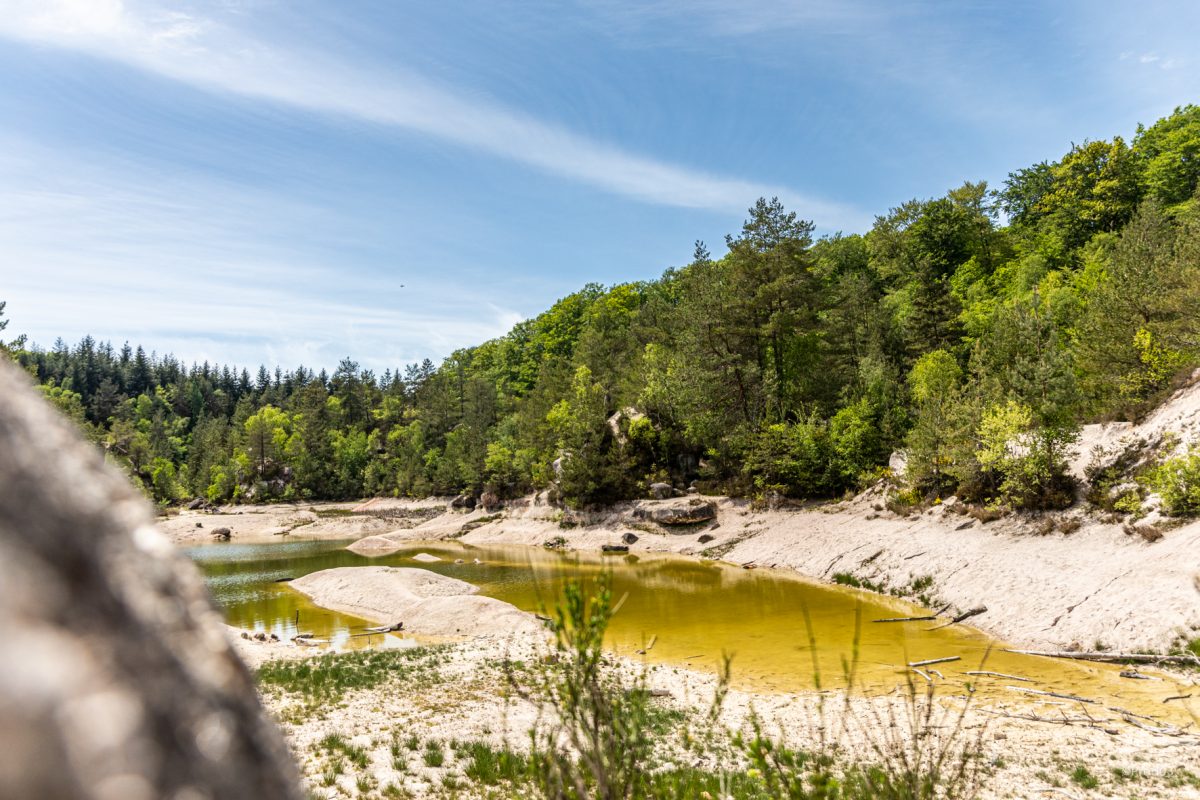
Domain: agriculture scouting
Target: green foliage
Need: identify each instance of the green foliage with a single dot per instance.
(12, 347)
(1177, 480)
(595, 739)
(1029, 459)
(934, 384)
(1083, 778)
(785, 364)
(324, 680)
(1170, 149)
(592, 466)
(1140, 322)
(794, 459)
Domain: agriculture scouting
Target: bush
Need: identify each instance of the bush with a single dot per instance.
(596, 739)
(856, 446)
(1030, 460)
(794, 459)
(1177, 480)
(597, 735)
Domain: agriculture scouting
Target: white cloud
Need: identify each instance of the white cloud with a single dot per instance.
(178, 263)
(203, 53)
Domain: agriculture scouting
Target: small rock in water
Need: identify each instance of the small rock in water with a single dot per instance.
(426, 558)
(614, 548)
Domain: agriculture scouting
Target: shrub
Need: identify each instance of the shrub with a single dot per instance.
(855, 443)
(794, 459)
(597, 735)
(596, 740)
(1031, 460)
(1177, 480)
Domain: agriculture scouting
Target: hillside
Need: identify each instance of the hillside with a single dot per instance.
(790, 366)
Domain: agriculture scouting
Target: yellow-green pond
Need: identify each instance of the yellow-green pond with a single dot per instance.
(694, 612)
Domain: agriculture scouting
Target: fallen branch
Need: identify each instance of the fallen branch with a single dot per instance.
(1063, 720)
(1132, 658)
(974, 612)
(927, 662)
(1176, 697)
(907, 619)
(1059, 695)
(999, 675)
(922, 673)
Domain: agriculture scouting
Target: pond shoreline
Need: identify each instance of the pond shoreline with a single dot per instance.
(468, 702)
(1093, 587)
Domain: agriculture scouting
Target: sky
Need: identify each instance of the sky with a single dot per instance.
(291, 182)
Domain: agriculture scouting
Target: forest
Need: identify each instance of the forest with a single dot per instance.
(975, 331)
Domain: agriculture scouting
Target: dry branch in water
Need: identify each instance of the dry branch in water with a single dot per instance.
(1133, 658)
(927, 662)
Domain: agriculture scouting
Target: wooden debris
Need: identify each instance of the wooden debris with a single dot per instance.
(1176, 697)
(1076, 698)
(929, 661)
(999, 675)
(974, 612)
(906, 619)
(648, 647)
(1133, 658)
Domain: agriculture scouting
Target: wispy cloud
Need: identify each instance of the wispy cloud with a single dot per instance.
(207, 53)
(179, 264)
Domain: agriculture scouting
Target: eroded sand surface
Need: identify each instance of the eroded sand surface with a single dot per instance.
(425, 602)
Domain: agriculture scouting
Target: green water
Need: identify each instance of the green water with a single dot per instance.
(696, 611)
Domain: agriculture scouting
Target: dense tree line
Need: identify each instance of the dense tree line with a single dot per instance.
(975, 331)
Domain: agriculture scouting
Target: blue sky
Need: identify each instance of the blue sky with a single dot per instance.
(288, 182)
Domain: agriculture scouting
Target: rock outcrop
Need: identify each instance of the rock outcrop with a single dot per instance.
(680, 511)
(116, 676)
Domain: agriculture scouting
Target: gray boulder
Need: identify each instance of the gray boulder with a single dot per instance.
(116, 676)
(463, 502)
(664, 491)
(679, 511)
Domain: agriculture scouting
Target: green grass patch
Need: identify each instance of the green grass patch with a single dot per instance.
(489, 766)
(1083, 778)
(853, 581)
(325, 679)
(434, 755)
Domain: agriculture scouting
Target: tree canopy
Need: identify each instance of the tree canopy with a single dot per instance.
(975, 330)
